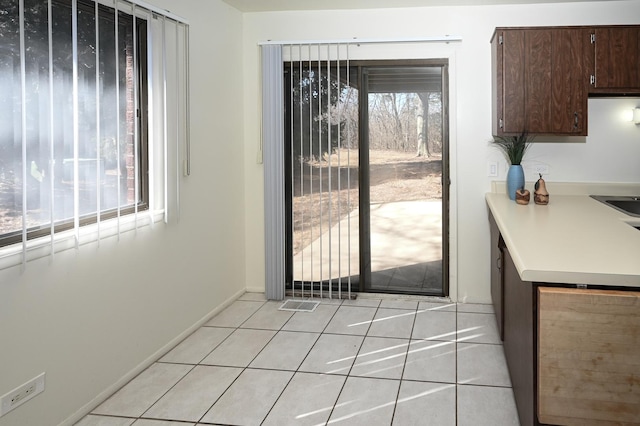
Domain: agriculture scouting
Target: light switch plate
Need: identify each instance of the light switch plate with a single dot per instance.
(492, 169)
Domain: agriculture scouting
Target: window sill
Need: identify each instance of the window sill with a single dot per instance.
(42, 247)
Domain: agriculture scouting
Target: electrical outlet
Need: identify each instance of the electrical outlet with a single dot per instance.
(21, 394)
(543, 169)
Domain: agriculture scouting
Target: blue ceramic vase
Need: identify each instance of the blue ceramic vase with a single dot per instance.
(515, 180)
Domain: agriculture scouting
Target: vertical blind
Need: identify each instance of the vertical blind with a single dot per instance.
(94, 118)
(326, 256)
(273, 148)
(319, 149)
(169, 94)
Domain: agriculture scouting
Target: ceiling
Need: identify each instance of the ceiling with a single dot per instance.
(280, 5)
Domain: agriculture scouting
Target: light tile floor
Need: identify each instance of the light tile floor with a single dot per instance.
(365, 361)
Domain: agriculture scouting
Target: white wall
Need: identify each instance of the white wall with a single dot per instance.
(91, 316)
(610, 152)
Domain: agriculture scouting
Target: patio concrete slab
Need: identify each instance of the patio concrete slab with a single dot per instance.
(406, 248)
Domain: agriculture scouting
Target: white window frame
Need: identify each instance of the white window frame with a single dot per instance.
(168, 140)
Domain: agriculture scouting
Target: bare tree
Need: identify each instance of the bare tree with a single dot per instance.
(422, 125)
(407, 122)
(396, 117)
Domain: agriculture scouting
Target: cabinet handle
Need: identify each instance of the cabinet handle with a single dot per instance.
(498, 263)
(575, 120)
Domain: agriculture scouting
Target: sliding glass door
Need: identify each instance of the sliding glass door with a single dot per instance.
(366, 158)
(404, 139)
(321, 181)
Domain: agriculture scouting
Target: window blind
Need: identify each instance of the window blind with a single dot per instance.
(273, 149)
(318, 76)
(95, 119)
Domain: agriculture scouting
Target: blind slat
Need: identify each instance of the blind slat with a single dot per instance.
(272, 139)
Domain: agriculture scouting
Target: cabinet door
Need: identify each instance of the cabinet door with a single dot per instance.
(540, 81)
(497, 276)
(568, 92)
(510, 82)
(616, 52)
(588, 356)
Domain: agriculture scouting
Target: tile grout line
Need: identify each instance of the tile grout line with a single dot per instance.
(199, 364)
(158, 361)
(297, 370)
(354, 361)
(141, 416)
(323, 332)
(404, 364)
(249, 363)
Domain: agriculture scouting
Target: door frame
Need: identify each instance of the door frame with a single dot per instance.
(364, 279)
(364, 179)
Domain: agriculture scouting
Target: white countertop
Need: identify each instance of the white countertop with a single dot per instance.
(574, 239)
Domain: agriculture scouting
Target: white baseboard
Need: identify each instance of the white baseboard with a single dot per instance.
(104, 395)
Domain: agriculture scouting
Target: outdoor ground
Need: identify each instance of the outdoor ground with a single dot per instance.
(395, 176)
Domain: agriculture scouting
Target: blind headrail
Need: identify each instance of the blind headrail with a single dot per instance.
(150, 8)
(355, 40)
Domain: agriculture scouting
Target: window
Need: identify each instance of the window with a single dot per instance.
(73, 116)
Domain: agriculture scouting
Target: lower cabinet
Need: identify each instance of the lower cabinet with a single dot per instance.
(573, 353)
(588, 356)
(519, 350)
(497, 275)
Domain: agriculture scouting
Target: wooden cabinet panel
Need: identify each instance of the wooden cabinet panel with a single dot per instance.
(542, 76)
(497, 276)
(519, 349)
(568, 112)
(513, 86)
(588, 356)
(616, 52)
(539, 81)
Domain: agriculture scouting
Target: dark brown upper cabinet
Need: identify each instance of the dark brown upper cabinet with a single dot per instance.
(539, 80)
(614, 60)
